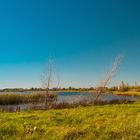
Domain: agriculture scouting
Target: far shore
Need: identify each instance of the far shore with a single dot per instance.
(129, 93)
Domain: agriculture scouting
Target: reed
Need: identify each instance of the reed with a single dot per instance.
(15, 98)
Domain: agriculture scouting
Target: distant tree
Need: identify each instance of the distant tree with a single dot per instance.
(136, 84)
(91, 88)
(114, 88)
(70, 88)
(123, 87)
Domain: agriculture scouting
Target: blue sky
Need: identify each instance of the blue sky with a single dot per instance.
(83, 36)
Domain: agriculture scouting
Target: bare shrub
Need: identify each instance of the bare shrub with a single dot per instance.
(108, 76)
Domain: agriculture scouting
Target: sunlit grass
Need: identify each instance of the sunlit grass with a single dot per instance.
(109, 122)
(127, 92)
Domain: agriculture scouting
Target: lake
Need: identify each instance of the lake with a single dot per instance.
(68, 97)
(77, 96)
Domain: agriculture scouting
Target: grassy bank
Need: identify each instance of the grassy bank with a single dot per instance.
(127, 92)
(109, 122)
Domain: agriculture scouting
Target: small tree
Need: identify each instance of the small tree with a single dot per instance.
(46, 79)
(108, 76)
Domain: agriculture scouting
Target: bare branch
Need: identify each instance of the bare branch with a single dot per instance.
(46, 78)
(50, 64)
(108, 76)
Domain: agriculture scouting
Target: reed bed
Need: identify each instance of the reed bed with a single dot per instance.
(16, 98)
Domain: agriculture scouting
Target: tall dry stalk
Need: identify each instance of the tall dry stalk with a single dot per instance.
(108, 76)
(46, 79)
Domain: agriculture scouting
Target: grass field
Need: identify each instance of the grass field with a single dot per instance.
(108, 122)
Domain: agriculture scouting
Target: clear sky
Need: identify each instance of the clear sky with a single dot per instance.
(83, 36)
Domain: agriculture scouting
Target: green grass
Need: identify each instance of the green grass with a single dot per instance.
(109, 122)
(127, 92)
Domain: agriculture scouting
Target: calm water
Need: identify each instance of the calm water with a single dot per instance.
(77, 96)
(69, 97)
